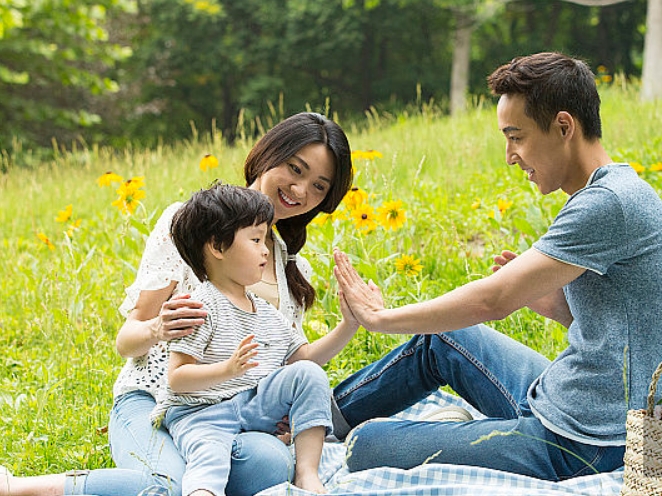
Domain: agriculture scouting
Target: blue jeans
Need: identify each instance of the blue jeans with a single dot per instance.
(490, 371)
(147, 458)
(204, 434)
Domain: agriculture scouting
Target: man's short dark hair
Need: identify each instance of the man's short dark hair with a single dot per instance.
(551, 82)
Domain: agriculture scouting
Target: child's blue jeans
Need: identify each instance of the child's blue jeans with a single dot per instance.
(205, 434)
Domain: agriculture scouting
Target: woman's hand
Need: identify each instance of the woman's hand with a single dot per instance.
(179, 316)
(283, 431)
(363, 301)
(158, 315)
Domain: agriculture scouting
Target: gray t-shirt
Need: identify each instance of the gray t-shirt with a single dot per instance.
(613, 228)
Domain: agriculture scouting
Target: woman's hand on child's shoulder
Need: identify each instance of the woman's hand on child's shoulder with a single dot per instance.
(179, 316)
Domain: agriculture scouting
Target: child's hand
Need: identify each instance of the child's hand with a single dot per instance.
(240, 361)
(346, 311)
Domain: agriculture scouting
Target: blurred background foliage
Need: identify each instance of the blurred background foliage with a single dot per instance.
(144, 72)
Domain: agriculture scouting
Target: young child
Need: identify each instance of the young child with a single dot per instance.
(229, 375)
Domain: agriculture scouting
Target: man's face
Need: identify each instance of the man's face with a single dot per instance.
(542, 155)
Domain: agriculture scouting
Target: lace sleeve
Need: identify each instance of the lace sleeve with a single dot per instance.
(160, 264)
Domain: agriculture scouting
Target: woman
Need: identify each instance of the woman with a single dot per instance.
(303, 164)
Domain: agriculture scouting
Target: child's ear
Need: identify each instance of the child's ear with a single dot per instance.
(213, 250)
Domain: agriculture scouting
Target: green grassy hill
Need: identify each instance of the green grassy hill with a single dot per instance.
(65, 269)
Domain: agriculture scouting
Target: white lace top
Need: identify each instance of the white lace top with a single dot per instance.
(160, 265)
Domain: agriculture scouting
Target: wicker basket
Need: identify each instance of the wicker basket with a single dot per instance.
(643, 449)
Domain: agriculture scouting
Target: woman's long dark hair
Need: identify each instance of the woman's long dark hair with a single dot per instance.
(277, 146)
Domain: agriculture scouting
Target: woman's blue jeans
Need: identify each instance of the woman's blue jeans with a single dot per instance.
(147, 458)
(489, 370)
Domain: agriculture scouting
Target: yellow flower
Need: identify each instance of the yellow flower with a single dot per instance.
(656, 167)
(364, 217)
(323, 218)
(64, 215)
(408, 265)
(355, 197)
(366, 155)
(475, 204)
(130, 195)
(108, 178)
(136, 182)
(73, 227)
(504, 204)
(208, 162)
(392, 215)
(44, 239)
(606, 78)
(637, 167)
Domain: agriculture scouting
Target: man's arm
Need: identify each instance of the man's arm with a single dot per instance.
(524, 280)
(553, 306)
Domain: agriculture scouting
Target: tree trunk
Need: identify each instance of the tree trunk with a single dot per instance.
(461, 60)
(651, 76)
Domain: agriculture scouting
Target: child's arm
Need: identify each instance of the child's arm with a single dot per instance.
(185, 374)
(325, 348)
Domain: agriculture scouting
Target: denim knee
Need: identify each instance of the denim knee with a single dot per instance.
(309, 370)
(111, 481)
(358, 444)
(251, 453)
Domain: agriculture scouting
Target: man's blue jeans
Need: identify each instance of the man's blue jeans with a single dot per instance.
(489, 370)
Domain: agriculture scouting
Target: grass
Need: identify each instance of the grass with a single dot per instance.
(58, 317)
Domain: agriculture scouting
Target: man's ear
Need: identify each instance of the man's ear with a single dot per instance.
(566, 124)
(217, 253)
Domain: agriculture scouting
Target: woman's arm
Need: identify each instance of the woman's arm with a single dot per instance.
(158, 317)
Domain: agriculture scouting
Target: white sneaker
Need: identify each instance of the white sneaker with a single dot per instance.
(449, 413)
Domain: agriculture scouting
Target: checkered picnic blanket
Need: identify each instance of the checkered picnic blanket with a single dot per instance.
(442, 479)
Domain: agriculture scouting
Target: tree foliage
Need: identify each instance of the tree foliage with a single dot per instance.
(219, 63)
(53, 54)
(244, 56)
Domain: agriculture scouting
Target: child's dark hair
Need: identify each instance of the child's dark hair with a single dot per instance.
(215, 215)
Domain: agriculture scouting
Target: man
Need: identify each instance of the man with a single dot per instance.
(597, 271)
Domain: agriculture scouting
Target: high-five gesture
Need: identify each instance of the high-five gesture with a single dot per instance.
(363, 299)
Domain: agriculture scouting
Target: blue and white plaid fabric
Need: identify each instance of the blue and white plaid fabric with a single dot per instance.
(441, 479)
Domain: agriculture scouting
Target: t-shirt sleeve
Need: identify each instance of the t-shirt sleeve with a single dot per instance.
(590, 231)
(196, 343)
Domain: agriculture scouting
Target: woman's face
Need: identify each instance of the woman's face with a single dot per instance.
(299, 184)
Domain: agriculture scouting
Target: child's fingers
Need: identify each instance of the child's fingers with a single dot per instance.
(246, 345)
